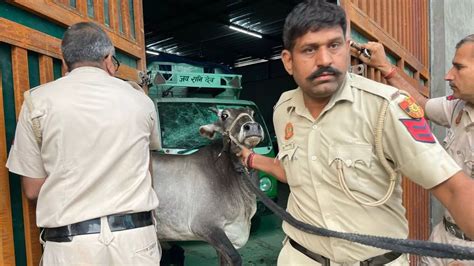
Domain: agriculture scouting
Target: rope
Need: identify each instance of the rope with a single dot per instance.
(417, 247)
(383, 160)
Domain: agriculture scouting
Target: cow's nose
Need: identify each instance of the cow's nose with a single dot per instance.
(251, 127)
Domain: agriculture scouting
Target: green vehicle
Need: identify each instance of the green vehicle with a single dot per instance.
(184, 94)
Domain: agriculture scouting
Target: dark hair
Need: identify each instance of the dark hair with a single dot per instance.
(85, 42)
(468, 38)
(311, 15)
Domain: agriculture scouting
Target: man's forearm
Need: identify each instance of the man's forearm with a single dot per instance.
(270, 166)
(391, 73)
(398, 81)
(456, 194)
(32, 186)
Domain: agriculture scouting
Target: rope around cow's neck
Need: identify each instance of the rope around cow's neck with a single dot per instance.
(418, 247)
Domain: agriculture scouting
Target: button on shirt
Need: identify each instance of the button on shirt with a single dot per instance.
(345, 131)
(458, 116)
(97, 132)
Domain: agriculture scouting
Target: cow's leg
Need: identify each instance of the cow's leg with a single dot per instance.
(218, 239)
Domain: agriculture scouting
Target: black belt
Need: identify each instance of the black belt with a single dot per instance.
(377, 260)
(116, 223)
(454, 230)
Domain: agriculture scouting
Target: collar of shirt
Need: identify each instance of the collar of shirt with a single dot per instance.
(344, 93)
(86, 69)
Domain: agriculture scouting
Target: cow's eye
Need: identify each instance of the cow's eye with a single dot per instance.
(224, 116)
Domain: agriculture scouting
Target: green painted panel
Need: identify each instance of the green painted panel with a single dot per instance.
(73, 3)
(119, 13)
(358, 37)
(90, 8)
(392, 59)
(126, 59)
(422, 82)
(106, 13)
(132, 18)
(57, 64)
(408, 71)
(30, 20)
(10, 126)
(33, 69)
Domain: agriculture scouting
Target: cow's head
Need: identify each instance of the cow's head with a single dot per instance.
(236, 126)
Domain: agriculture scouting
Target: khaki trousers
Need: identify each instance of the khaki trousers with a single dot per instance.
(292, 257)
(440, 235)
(129, 247)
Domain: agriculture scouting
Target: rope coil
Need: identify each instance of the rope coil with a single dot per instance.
(383, 161)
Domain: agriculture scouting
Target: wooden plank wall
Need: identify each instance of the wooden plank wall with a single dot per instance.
(62, 13)
(403, 27)
(7, 250)
(24, 40)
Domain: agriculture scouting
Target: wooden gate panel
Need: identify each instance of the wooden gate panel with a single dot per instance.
(35, 59)
(67, 15)
(402, 27)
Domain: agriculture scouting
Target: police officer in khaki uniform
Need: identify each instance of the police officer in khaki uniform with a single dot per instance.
(455, 112)
(344, 143)
(82, 146)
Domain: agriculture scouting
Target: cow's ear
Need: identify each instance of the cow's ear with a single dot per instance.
(209, 131)
(251, 111)
(214, 110)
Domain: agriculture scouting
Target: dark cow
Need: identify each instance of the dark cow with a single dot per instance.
(203, 196)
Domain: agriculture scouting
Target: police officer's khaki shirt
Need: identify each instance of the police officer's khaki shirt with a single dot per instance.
(97, 132)
(345, 130)
(458, 116)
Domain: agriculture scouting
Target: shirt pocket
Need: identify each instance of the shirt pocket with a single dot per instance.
(288, 157)
(355, 161)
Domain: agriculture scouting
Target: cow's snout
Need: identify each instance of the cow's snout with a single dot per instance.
(252, 128)
(251, 134)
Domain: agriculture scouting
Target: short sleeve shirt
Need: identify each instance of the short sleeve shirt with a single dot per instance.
(458, 116)
(97, 132)
(344, 131)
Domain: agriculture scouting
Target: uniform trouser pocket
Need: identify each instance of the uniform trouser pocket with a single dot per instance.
(149, 250)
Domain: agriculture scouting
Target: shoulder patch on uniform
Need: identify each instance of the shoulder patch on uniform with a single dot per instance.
(410, 107)
(289, 131)
(372, 87)
(286, 96)
(419, 129)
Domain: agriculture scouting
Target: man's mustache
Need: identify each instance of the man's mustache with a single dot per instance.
(326, 70)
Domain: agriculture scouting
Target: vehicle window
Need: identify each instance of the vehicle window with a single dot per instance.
(180, 122)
